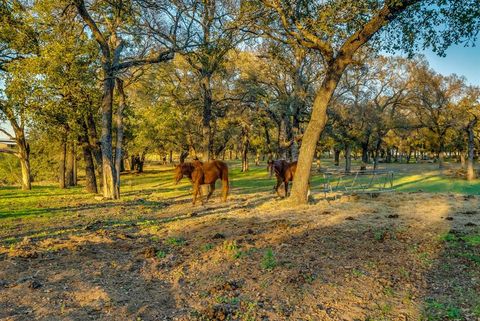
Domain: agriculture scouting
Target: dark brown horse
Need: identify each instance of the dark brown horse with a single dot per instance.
(284, 172)
(204, 173)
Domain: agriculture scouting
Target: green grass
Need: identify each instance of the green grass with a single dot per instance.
(144, 193)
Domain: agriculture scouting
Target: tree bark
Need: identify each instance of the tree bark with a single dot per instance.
(312, 133)
(61, 167)
(70, 165)
(108, 170)
(348, 158)
(24, 157)
(245, 146)
(471, 149)
(96, 146)
(90, 178)
(336, 157)
(206, 87)
(377, 152)
(364, 155)
(119, 143)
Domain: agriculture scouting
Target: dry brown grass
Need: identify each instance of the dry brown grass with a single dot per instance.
(355, 258)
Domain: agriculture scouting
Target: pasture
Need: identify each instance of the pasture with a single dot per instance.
(413, 254)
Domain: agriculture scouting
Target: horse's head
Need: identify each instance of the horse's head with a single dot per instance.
(178, 173)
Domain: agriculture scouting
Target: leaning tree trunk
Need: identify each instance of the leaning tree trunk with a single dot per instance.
(119, 143)
(312, 133)
(471, 150)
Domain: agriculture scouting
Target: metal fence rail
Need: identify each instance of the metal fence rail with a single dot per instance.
(358, 181)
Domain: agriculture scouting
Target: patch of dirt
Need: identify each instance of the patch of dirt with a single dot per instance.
(250, 259)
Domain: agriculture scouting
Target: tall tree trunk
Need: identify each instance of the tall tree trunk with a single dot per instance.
(70, 165)
(471, 149)
(96, 146)
(90, 179)
(378, 144)
(206, 87)
(312, 133)
(170, 157)
(62, 167)
(24, 157)
(24, 153)
(119, 142)
(364, 155)
(245, 146)
(336, 157)
(441, 154)
(108, 172)
(267, 138)
(348, 158)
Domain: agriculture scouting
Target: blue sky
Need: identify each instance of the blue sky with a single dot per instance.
(463, 61)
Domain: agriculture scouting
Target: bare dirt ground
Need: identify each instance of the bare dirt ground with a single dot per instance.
(399, 256)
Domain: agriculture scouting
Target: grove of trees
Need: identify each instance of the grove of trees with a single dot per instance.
(100, 85)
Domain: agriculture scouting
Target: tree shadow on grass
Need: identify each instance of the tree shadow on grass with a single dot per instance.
(333, 264)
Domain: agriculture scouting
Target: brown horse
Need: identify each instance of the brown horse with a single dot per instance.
(204, 173)
(284, 172)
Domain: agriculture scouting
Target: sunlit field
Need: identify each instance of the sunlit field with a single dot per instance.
(410, 254)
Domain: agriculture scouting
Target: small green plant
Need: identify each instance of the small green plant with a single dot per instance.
(249, 312)
(227, 300)
(207, 247)
(453, 312)
(233, 249)
(425, 258)
(449, 237)
(379, 235)
(472, 240)
(357, 273)
(161, 254)
(476, 310)
(388, 291)
(176, 241)
(472, 257)
(386, 308)
(404, 272)
(269, 261)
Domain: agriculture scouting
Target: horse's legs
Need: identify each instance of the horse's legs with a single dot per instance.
(210, 192)
(286, 188)
(275, 188)
(225, 189)
(197, 189)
